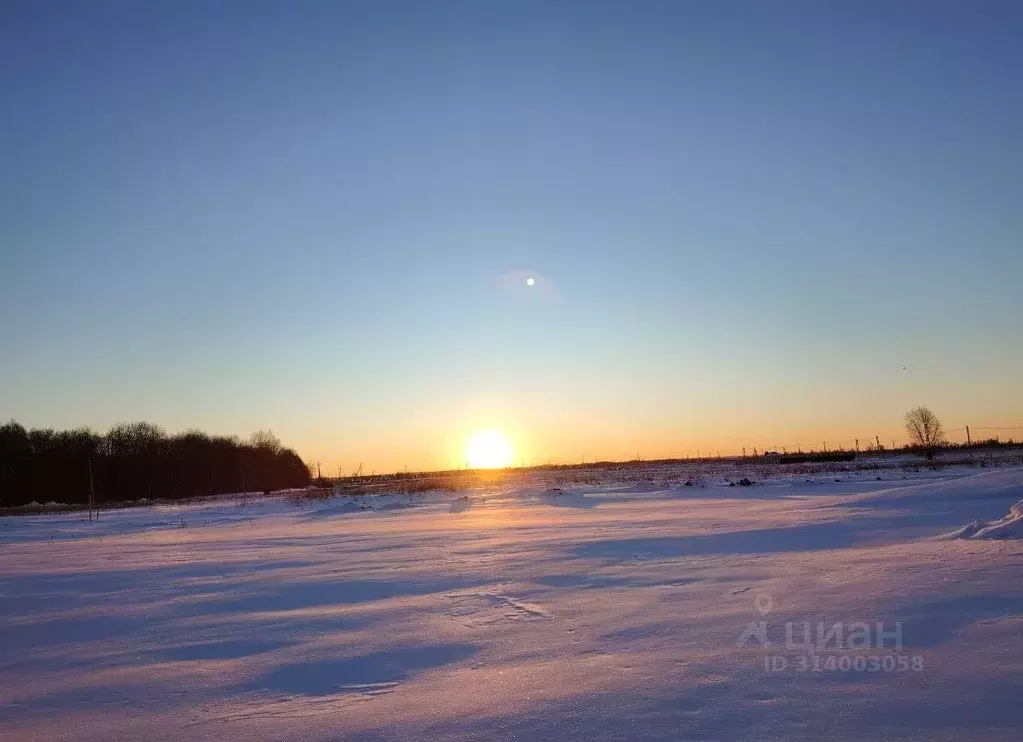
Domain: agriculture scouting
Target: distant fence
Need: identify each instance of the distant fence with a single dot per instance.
(795, 458)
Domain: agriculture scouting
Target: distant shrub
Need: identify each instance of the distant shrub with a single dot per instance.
(446, 484)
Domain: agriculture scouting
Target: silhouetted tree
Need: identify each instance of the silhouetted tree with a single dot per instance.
(135, 460)
(15, 457)
(266, 441)
(924, 430)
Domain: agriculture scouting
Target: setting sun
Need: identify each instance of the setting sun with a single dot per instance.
(488, 449)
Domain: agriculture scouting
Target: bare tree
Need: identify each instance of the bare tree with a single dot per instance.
(266, 440)
(924, 430)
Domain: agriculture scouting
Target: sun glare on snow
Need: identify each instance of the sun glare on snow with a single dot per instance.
(488, 449)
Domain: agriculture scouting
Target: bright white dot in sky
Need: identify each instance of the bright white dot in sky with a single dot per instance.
(530, 281)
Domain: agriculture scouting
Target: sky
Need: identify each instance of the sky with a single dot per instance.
(749, 224)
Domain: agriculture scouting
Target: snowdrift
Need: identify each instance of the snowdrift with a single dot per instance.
(1011, 526)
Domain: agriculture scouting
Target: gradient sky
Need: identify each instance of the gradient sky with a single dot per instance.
(744, 219)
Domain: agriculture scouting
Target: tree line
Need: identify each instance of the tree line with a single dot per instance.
(138, 460)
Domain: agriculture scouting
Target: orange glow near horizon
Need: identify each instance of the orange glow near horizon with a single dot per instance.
(532, 431)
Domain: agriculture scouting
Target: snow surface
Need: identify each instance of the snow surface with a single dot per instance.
(596, 611)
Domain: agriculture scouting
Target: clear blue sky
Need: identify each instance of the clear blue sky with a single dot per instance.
(744, 218)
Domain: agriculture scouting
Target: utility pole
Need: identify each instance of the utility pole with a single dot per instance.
(824, 446)
(744, 451)
(92, 491)
(968, 442)
(877, 440)
(857, 445)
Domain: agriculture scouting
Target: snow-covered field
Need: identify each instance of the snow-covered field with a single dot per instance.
(603, 611)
